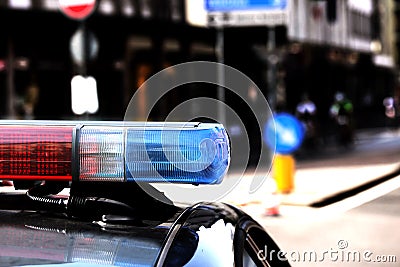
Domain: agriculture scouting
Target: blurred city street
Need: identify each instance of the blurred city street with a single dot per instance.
(328, 68)
(332, 170)
(339, 197)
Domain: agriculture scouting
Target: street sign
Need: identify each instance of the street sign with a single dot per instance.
(77, 9)
(288, 133)
(220, 13)
(223, 5)
(78, 47)
(84, 97)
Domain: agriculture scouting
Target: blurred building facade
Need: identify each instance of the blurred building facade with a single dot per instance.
(36, 48)
(354, 39)
(325, 46)
(348, 46)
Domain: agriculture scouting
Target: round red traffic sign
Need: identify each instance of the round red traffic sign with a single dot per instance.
(77, 9)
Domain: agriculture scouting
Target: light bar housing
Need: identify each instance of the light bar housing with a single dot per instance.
(154, 152)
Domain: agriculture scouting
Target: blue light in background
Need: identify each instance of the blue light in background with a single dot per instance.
(288, 133)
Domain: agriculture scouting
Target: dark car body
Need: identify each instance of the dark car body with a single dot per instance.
(205, 234)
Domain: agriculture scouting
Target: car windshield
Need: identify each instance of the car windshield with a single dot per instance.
(303, 99)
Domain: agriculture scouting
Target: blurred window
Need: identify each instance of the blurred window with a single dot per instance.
(20, 4)
(107, 7)
(128, 8)
(146, 9)
(51, 5)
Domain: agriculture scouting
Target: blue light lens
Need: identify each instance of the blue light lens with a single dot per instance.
(186, 153)
(189, 155)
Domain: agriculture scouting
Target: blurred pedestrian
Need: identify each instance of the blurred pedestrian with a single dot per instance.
(306, 112)
(342, 113)
(306, 107)
(392, 111)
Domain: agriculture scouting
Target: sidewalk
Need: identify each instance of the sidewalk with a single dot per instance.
(320, 178)
(313, 185)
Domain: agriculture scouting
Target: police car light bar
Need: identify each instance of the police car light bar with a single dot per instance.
(191, 153)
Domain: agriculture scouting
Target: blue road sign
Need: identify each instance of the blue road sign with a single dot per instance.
(242, 5)
(288, 133)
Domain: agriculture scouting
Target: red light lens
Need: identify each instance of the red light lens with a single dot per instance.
(35, 153)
